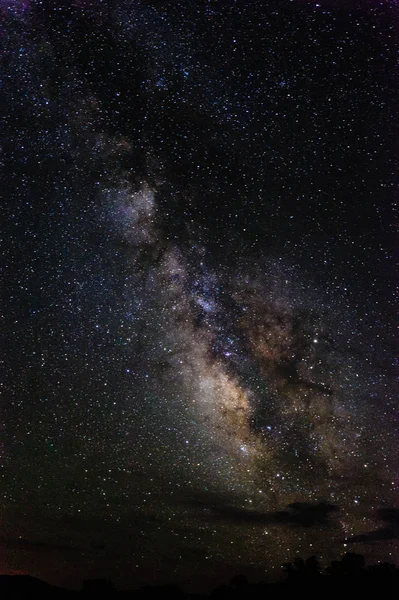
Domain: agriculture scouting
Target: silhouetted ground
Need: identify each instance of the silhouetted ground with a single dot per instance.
(348, 577)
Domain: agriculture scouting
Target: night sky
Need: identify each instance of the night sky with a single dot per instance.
(197, 287)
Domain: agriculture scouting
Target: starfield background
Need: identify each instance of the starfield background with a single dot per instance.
(198, 287)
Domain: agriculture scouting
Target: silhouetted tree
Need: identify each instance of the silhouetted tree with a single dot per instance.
(350, 565)
(302, 569)
(384, 569)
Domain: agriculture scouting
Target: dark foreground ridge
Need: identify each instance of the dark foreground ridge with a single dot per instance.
(345, 577)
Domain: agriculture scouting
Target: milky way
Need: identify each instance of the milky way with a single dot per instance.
(259, 375)
(199, 375)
